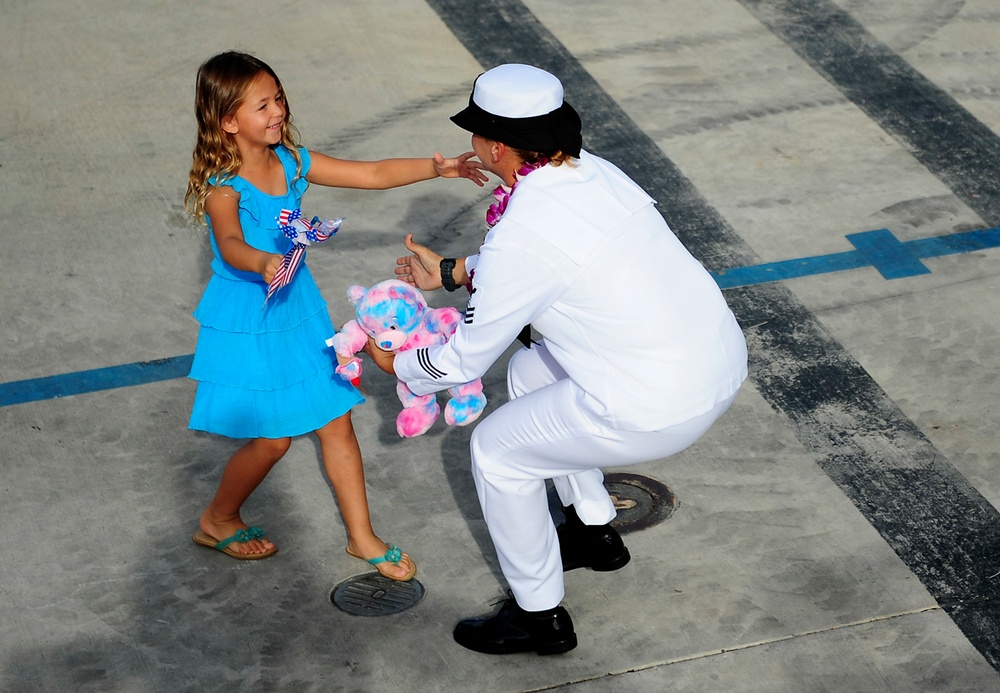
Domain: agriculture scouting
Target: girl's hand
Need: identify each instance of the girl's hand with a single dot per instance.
(422, 269)
(269, 265)
(460, 167)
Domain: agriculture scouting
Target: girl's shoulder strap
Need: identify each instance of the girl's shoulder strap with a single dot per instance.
(288, 160)
(294, 174)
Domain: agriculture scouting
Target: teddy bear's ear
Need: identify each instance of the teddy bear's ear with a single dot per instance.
(355, 293)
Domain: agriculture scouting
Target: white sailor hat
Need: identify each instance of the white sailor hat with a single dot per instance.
(523, 107)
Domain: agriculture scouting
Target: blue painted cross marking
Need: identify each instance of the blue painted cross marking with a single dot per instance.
(887, 254)
(879, 249)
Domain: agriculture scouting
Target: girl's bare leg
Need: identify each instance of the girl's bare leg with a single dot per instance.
(243, 473)
(343, 463)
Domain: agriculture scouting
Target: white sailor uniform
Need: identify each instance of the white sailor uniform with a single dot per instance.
(639, 356)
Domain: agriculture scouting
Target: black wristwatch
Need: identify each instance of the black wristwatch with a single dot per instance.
(448, 274)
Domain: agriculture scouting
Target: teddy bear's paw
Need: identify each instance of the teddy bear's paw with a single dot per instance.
(351, 371)
(416, 421)
(461, 411)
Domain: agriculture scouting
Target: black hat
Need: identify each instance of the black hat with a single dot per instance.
(523, 107)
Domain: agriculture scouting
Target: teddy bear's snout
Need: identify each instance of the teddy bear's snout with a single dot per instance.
(390, 340)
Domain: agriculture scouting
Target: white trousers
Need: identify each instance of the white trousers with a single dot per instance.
(542, 434)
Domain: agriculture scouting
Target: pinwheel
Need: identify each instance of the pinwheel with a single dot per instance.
(302, 235)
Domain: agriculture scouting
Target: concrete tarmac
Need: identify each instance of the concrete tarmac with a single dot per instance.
(834, 162)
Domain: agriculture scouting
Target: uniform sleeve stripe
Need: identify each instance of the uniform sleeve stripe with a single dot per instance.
(425, 362)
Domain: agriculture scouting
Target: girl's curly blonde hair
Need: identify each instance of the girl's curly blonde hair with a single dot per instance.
(223, 83)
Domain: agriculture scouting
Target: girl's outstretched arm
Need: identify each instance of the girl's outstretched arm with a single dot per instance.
(223, 206)
(391, 173)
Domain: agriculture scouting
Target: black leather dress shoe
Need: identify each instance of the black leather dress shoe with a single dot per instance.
(598, 547)
(512, 629)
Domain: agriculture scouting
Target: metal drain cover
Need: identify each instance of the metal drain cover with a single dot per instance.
(641, 502)
(374, 595)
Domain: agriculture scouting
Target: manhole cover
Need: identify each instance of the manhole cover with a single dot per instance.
(374, 595)
(641, 502)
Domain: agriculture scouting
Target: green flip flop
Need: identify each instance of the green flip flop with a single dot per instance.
(393, 556)
(242, 535)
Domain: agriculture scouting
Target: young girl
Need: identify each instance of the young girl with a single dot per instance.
(266, 373)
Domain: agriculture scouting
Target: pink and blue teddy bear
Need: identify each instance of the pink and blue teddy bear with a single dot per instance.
(396, 316)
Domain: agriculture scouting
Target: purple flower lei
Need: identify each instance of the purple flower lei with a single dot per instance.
(502, 193)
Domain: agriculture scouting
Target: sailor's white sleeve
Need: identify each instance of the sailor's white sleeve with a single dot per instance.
(470, 263)
(513, 284)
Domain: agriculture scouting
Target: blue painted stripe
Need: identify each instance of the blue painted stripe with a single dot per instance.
(789, 269)
(110, 378)
(879, 248)
(967, 242)
(894, 259)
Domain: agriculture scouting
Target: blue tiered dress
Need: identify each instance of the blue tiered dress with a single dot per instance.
(265, 373)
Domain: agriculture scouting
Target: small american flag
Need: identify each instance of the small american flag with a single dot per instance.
(301, 234)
